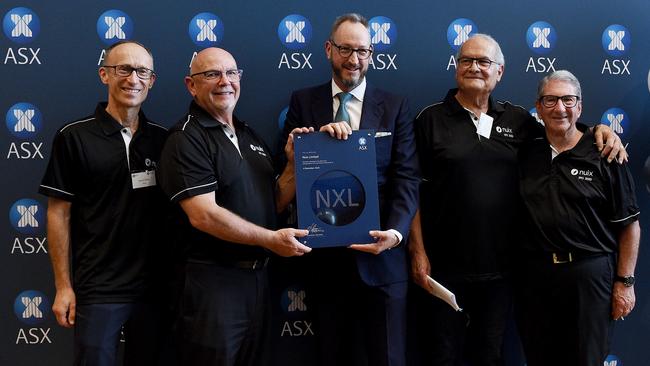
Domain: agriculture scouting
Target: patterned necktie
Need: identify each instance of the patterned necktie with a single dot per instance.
(342, 113)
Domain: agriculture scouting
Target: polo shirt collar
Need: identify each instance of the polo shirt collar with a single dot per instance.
(206, 120)
(110, 126)
(585, 145)
(455, 107)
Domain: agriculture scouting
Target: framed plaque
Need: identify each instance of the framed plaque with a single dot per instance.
(336, 188)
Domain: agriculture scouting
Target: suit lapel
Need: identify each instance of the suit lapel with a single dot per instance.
(322, 105)
(373, 110)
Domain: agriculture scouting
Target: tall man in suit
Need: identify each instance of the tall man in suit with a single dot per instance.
(362, 292)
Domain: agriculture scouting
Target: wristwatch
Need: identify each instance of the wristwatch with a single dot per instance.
(628, 281)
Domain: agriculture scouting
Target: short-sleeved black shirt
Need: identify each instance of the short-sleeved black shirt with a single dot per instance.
(114, 229)
(199, 158)
(577, 202)
(469, 197)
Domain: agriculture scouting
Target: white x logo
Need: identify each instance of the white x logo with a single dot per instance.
(31, 307)
(21, 27)
(615, 122)
(27, 217)
(616, 40)
(381, 33)
(24, 120)
(540, 37)
(114, 27)
(297, 300)
(462, 33)
(207, 30)
(295, 34)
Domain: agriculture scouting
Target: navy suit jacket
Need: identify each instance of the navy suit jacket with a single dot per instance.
(397, 167)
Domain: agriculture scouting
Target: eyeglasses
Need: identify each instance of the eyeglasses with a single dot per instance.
(362, 53)
(126, 70)
(233, 75)
(483, 63)
(550, 101)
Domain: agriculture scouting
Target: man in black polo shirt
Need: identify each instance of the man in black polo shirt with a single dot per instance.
(467, 223)
(222, 176)
(104, 209)
(582, 236)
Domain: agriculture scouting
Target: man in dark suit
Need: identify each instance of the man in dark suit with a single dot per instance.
(361, 293)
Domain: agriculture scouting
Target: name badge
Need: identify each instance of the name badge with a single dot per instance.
(143, 179)
(484, 127)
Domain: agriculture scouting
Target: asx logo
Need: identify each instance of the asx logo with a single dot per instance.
(294, 32)
(294, 303)
(616, 42)
(459, 31)
(612, 360)
(383, 35)
(27, 216)
(24, 121)
(21, 25)
(541, 38)
(31, 307)
(206, 30)
(616, 119)
(114, 26)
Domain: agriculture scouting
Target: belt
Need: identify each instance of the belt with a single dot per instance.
(252, 264)
(568, 257)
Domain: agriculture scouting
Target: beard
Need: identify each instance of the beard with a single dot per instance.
(350, 82)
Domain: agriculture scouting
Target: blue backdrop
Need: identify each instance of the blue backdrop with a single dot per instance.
(50, 51)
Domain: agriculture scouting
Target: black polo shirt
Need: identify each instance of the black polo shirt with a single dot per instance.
(469, 192)
(577, 202)
(114, 232)
(199, 158)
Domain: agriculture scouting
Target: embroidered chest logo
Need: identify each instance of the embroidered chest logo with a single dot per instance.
(505, 131)
(258, 149)
(586, 175)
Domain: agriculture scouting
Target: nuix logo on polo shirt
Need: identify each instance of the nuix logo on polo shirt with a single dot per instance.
(458, 32)
(258, 149)
(24, 122)
(22, 26)
(383, 36)
(32, 307)
(541, 38)
(294, 304)
(113, 26)
(27, 217)
(505, 131)
(616, 41)
(294, 32)
(586, 175)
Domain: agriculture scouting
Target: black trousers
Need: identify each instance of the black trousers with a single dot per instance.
(223, 316)
(355, 324)
(564, 310)
(472, 337)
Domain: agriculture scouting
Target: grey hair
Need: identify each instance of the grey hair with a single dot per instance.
(349, 17)
(561, 75)
(499, 54)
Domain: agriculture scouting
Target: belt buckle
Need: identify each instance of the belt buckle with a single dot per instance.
(260, 263)
(557, 260)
